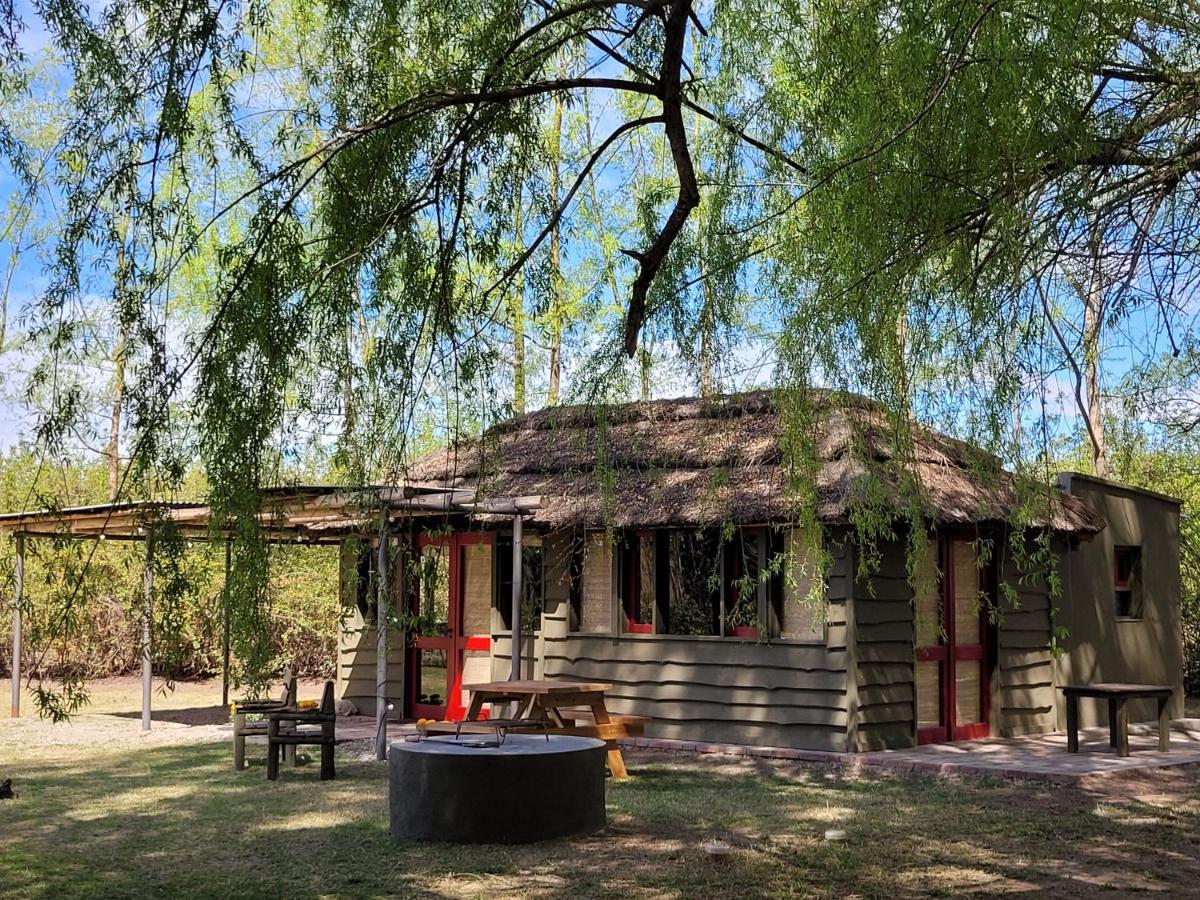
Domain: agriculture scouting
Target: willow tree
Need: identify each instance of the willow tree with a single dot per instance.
(903, 183)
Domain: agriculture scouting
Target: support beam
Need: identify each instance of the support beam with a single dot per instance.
(18, 593)
(225, 625)
(147, 619)
(517, 591)
(381, 642)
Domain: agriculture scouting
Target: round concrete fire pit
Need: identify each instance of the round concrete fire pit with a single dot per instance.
(530, 788)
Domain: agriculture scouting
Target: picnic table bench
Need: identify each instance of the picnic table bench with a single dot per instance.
(292, 726)
(549, 707)
(1118, 715)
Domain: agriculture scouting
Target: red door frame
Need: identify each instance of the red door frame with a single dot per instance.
(453, 644)
(948, 654)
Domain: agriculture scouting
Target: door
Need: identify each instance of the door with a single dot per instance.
(451, 603)
(951, 642)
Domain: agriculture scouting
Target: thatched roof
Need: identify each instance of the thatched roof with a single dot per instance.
(693, 462)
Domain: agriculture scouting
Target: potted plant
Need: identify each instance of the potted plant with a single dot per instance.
(743, 620)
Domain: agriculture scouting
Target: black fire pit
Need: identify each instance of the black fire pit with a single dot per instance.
(474, 791)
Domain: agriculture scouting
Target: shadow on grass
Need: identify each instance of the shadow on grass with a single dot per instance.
(178, 820)
(194, 715)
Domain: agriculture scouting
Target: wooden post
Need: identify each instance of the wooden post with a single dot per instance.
(18, 591)
(225, 626)
(147, 617)
(381, 643)
(517, 591)
(1164, 723)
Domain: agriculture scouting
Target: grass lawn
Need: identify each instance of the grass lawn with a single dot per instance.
(176, 820)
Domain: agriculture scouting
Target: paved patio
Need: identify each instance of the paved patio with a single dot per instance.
(1042, 757)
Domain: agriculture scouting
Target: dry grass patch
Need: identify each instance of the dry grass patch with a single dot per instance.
(175, 820)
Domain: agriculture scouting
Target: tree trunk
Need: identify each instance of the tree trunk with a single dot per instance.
(556, 283)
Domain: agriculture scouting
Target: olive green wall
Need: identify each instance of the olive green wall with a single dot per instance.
(1099, 646)
(778, 693)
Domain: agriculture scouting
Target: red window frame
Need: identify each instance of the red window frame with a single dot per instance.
(1124, 566)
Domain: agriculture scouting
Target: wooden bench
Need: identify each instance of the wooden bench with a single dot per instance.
(242, 728)
(1118, 715)
(308, 727)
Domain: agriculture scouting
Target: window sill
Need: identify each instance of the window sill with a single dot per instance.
(710, 638)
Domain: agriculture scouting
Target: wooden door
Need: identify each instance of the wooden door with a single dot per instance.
(452, 601)
(432, 663)
(951, 643)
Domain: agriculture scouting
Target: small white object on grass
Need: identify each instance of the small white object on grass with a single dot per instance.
(835, 834)
(717, 850)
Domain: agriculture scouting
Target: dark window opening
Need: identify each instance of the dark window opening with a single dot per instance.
(575, 580)
(745, 562)
(1127, 593)
(695, 583)
(638, 580)
(532, 595)
(366, 596)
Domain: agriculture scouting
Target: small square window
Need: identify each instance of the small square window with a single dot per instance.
(1127, 588)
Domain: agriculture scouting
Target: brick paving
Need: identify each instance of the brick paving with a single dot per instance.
(1041, 757)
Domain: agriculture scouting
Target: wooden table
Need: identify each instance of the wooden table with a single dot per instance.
(1118, 716)
(544, 701)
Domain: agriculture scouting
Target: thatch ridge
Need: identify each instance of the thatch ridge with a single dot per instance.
(690, 461)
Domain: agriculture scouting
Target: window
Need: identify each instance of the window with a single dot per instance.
(575, 581)
(746, 563)
(798, 591)
(366, 596)
(593, 611)
(694, 598)
(1127, 588)
(638, 580)
(433, 591)
(531, 582)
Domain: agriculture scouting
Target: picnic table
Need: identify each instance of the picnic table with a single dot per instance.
(550, 707)
(1118, 716)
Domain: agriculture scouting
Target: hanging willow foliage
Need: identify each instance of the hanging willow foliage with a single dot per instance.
(327, 189)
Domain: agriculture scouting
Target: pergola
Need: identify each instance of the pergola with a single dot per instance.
(300, 514)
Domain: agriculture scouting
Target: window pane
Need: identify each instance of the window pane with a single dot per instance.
(432, 684)
(595, 605)
(695, 575)
(645, 606)
(636, 585)
(966, 594)
(929, 694)
(968, 696)
(801, 616)
(929, 628)
(531, 582)
(477, 589)
(434, 591)
(741, 575)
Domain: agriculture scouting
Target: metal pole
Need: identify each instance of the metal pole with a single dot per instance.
(18, 591)
(225, 626)
(381, 643)
(147, 615)
(516, 598)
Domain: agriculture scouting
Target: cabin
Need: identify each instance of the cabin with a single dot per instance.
(666, 557)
